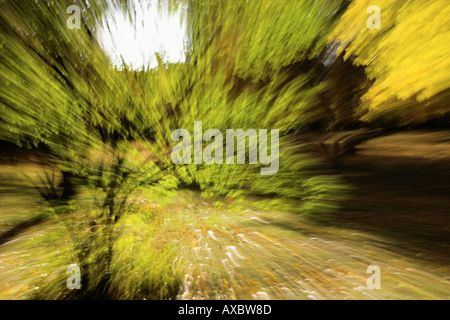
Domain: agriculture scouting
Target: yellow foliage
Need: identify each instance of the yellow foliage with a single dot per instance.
(409, 57)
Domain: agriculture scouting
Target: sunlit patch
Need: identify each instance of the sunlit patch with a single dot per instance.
(134, 37)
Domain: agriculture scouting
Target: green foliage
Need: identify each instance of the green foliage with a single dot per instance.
(257, 39)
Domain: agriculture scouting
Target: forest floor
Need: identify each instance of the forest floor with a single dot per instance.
(398, 219)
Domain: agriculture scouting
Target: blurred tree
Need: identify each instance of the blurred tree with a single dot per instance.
(60, 92)
(257, 65)
(407, 58)
(250, 65)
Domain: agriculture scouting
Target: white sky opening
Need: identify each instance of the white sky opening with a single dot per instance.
(134, 37)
